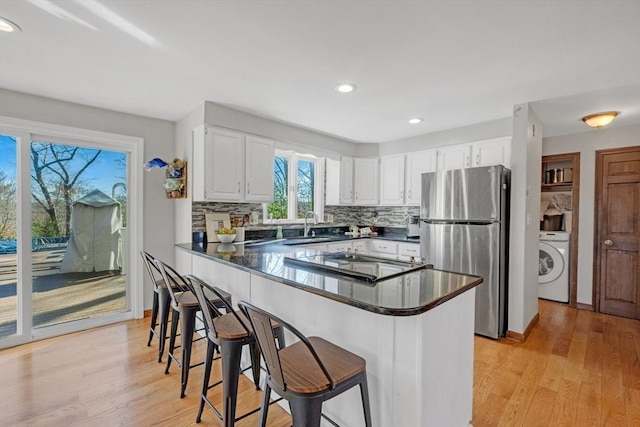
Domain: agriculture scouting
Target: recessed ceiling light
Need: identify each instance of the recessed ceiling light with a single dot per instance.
(345, 87)
(7, 26)
(415, 120)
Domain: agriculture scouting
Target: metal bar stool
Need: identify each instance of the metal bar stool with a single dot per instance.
(160, 307)
(307, 372)
(185, 306)
(230, 331)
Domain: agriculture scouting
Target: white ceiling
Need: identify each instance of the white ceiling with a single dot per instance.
(453, 63)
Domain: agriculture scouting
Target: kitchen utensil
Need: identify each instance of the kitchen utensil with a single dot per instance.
(413, 226)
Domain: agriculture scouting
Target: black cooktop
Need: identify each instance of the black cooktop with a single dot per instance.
(364, 267)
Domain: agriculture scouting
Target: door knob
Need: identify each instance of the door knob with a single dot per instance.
(608, 242)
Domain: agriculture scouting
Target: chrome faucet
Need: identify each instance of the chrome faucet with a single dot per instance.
(306, 227)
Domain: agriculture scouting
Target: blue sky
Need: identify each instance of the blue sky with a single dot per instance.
(106, 171)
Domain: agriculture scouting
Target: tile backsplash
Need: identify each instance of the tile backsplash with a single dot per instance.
(382, 216)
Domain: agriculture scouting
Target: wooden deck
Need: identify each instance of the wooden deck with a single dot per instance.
(59, 297)
(44, 263)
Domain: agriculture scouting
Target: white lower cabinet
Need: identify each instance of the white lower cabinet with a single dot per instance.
(359, 246)
(409, 251)
(317, 247)
(383, 248)
(341, 246)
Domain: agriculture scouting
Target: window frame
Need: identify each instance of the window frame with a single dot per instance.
(318, 189)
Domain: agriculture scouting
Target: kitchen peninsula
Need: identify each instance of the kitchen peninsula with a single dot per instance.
(415, 330)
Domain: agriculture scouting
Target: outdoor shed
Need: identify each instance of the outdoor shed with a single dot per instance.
(95, 241)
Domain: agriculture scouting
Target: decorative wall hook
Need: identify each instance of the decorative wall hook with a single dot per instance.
(175, 184)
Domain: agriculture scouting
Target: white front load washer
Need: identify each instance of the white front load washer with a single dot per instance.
(553, 266)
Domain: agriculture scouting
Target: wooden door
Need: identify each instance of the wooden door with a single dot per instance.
(618, 232)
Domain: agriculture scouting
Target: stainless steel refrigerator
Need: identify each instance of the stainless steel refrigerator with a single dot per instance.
(464, 227)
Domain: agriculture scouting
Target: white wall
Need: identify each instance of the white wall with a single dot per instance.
(157, 134)
(226, 117)
(587, 143)
(471, 133)
(184, 150)
(525, 205)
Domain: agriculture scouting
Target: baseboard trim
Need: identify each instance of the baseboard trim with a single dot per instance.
(147, 313)
(581, 306)
(521, 338)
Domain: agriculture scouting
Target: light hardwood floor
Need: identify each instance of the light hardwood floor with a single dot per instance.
(577, 368)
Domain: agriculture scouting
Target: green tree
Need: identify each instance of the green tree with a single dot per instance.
(56, 171)
(7, 207)
(279, 207)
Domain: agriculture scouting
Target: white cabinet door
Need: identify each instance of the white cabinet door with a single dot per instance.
(454, 157)
(409, 252)
(365, 182)
(359, 246)
(342, 246)
(382, 248)
(316, 247)
(346, 181)
(259, 169)
(492, 152)
(392, 180)
(332, 182)
(218, 164)
(417, 164)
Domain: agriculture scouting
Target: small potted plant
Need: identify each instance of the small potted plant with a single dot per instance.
(226, 235)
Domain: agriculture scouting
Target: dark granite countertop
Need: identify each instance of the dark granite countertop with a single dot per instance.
(407, 295)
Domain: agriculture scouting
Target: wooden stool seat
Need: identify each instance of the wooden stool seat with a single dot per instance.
(188, 299)
(303, 375)
(306, 373)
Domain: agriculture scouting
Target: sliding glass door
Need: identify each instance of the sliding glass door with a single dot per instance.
(78, 226)
(8, 237)
(65, 242)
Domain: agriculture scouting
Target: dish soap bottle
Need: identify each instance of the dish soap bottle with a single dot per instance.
(279, 232)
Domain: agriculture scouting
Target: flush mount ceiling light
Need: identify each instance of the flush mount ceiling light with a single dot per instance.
(415, 120)
(7, 26)
(345, 87)
(599, 120)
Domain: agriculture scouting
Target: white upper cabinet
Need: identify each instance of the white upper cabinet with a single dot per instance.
(480, 153)
(365, 181)
(259, 169)
(218, 166)
(417, 164)
(392, 173)
(454, 157)
(231, 166)
(492, 152)
(358, 181)
(332, 182)
(346, 180)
